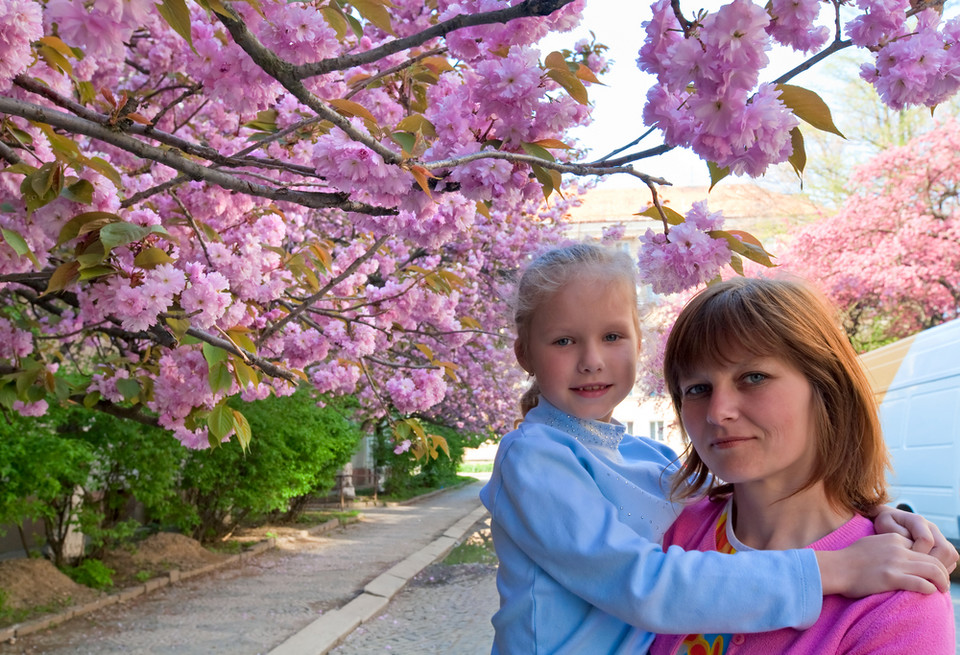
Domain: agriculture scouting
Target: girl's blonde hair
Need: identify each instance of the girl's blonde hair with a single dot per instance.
(553, 269)
(788, 320)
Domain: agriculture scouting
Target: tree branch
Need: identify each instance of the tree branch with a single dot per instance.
(575, 169)
(191, 169)
(282, 72)
(525, 9)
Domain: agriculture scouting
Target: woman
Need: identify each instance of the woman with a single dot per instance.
(786, 453)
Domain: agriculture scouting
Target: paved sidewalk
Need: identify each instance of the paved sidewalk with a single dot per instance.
(301, 598)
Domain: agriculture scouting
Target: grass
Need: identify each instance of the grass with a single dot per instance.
(476, 549)
(314, 518)
(476, 467)
(10, 616)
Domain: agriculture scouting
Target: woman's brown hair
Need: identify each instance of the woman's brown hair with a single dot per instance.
(787, 319)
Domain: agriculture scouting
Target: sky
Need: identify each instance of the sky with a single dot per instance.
(618, 106)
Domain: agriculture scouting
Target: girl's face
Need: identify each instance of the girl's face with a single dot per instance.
(751, 421)
(583, 347)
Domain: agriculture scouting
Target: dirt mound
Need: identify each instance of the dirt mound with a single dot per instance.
(158, 554)
(36, 583)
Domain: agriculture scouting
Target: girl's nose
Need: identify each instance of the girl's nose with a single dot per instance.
(590, 360)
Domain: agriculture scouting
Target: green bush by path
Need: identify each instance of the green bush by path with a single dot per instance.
(405, 473)
(296, 450)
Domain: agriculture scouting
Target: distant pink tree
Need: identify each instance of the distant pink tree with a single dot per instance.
(891, 257)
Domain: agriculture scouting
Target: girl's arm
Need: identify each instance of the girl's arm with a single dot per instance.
(880, 563)
(926, 536)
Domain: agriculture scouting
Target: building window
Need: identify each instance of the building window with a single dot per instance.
(629, 427)
(656, 430)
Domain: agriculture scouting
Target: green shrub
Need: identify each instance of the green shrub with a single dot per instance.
(296, 450)
(39, 475)
(91, 573)
(113, 461)
(406, 473)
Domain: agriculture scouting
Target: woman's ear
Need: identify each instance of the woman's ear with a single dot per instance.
(521, 353)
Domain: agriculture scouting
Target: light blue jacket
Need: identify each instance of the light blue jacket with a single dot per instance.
(578, 511)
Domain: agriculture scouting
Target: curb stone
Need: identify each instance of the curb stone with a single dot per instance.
(326, 632)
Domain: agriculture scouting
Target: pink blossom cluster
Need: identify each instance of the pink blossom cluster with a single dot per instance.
(708, 96)
(14, 342)
(686, 256)
(100, 28)
(914, 65)
(21, 23)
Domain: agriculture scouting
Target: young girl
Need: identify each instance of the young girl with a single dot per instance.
(578, 508)
(774, 402)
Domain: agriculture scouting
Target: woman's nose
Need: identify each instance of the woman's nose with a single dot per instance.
(723, 406)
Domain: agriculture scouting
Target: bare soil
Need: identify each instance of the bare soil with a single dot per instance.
(36, 584)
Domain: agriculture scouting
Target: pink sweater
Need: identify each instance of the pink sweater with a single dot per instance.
(898, 622)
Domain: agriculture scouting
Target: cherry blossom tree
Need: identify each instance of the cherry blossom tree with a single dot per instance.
(205, 199)
(890, 258)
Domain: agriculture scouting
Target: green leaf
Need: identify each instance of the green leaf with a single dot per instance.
(177, 15)
(537, 151)
(336, 20)
(808, 106)
(716, 174)
(375, 12)
(130, 389)
(65, 275)
(120, 234)
(19, 245)
(91, 399)
(798, 159)
(80, 191)
(242, 427)
(673, 216)
(245, 374)
(214, 355)
(571, 83)
(151, 258)
(544, 178)
(220, 377)
(75, 226)
(405, 140)
(106, 169)
(241, 339)
(220, 422)
(178, 326)
(48, 178)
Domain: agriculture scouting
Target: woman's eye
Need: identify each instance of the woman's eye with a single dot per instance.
(695, 390)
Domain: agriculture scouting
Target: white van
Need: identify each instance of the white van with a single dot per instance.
(917, 382)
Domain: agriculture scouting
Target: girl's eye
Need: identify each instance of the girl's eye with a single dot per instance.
(612, 337)
(754, 378)
(563, 341)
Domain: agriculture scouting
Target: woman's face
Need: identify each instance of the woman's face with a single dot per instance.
(751, 420)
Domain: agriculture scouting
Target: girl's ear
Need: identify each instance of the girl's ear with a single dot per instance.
(521, 353)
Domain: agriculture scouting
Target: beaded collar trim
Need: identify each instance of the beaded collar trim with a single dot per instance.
(592, 434)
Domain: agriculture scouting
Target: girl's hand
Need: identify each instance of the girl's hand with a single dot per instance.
(926, 536)
(879, 563)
